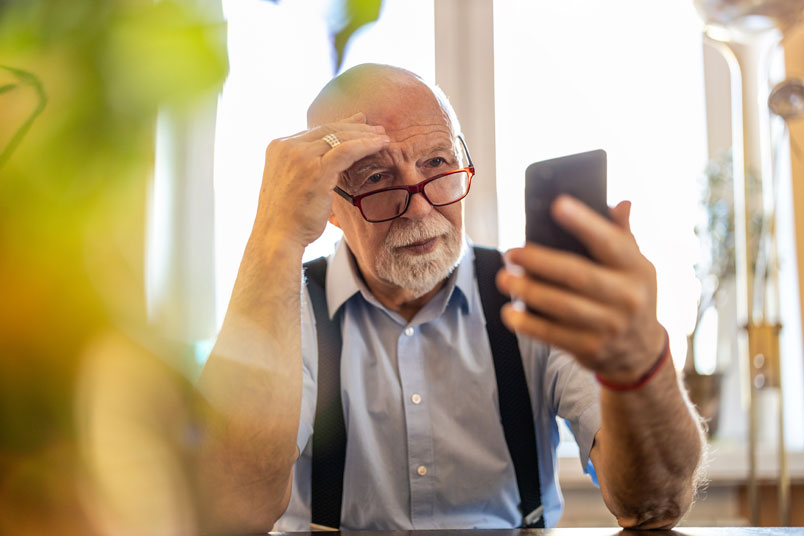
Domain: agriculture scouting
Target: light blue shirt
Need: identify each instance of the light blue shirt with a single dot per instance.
(425, 446)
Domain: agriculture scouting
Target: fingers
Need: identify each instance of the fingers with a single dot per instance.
(341, 157)
(575, 273)
(356, 140)
(602, 312)
(621, 215)
(317, 147)
(562, 306)
(608, 242)
(584, 345)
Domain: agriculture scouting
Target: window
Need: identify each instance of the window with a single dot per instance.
(566, 82)
(626, 76)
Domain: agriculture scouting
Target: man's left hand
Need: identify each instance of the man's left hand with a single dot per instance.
(603, 312)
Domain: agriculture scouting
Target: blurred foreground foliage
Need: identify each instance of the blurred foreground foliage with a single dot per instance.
(352, 16)
(98, 423)
(345, 19)
(81, 82)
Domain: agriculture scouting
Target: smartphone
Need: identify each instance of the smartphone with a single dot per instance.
(582, 176)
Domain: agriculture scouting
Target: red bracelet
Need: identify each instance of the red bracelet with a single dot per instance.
(645, 377)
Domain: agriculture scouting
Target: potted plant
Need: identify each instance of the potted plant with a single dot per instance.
(716, 272)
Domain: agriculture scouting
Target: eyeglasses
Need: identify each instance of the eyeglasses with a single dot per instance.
(389, 203)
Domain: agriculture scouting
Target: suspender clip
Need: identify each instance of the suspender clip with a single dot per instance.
(530, 520)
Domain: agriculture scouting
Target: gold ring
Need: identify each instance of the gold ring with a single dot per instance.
(332, 140)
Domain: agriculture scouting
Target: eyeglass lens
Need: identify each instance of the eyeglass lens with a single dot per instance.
(392, 203)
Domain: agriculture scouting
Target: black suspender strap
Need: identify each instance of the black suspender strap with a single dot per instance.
(512, 389)
(329, 429)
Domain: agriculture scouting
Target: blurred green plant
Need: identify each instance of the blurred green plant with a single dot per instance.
(23, 78)
(81, 85)
(355, 15)
(716, 233)
(346, 18)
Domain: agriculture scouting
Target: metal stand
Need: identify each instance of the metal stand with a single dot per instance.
(747, 33)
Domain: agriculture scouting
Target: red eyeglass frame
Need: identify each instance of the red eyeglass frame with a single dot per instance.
(413, 189)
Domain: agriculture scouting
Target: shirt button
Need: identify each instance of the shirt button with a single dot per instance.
(416, 399)
(422, 470)
(409, 331)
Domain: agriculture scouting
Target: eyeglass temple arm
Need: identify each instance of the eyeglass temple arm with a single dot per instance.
(343, 194)
(466, 151)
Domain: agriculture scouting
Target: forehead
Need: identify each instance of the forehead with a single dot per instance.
(401, 107)
(412, 116)
(410, 144)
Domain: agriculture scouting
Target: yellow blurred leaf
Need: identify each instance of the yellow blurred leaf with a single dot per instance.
(164, 53)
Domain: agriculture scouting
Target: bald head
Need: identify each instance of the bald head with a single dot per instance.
(377, 90)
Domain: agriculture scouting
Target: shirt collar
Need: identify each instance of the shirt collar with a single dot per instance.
(343, 280)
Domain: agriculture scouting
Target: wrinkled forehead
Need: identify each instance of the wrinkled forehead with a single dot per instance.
(412, 143)
(409, 144)
(405, 110)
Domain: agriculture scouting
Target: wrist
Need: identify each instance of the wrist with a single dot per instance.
(270, 272)
(276, 237)
(269, 258)
(635, 379)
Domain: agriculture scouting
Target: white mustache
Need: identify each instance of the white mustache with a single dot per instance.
(407, 232)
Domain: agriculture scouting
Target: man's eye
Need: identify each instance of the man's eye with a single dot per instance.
(374, 179)
(436, 162)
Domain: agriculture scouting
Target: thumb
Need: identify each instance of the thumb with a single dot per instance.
(621, 215)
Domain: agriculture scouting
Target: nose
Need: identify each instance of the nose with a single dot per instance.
(419, 206)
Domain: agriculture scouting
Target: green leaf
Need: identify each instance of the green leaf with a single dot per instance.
(356, 14)
(32, 80)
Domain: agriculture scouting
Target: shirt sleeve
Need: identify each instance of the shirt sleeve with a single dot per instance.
(574, 395)
(309, 349)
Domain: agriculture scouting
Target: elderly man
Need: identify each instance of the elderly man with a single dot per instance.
(425, 447)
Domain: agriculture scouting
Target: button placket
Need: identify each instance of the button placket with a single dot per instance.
(418, 426)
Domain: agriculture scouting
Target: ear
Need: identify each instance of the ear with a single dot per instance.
(334, 220)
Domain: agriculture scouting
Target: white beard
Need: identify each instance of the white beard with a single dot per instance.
(419, 273)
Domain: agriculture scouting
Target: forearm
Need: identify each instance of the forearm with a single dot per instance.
(648, 451)
(253, 383)
(253, 379)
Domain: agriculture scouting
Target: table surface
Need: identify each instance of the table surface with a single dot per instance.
(678, 531)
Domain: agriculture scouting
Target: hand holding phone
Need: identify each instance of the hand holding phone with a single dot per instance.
(582, 176)
(602, 312)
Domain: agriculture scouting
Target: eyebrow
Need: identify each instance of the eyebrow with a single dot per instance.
(373, 161)
(366, 164)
